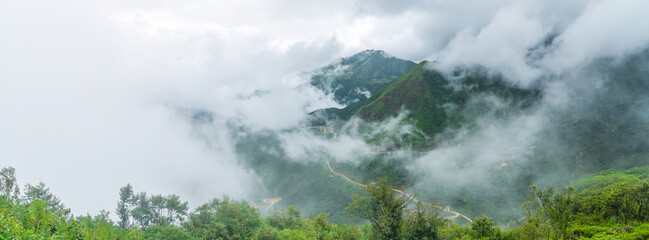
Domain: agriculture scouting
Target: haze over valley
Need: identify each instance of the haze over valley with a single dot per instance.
(456, 113)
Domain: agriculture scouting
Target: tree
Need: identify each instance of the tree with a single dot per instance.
(289, 219)
(224, 219)
(558, 207)
(168, 232)
(176, 210)
(382, 208)
(124, 205)
(483, 228)
(142, 212)
(154, 210)
(423, 223)
(42, 193)
(158, 204)
(8, 184)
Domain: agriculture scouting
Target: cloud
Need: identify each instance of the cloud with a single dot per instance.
(604, 29)
(502, 45)
(92, 94)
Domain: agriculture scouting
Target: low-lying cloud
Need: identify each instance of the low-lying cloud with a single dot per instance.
(95, 95)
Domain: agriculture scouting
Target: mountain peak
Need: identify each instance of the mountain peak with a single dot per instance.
(373, 52)
(353, 78)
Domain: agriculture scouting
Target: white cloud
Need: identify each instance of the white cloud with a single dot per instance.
(88, 90)
(502, 45)
(604, 29)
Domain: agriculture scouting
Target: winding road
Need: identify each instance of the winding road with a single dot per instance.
(447, 209)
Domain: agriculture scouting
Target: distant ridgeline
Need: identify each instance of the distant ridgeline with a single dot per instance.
(393, 85)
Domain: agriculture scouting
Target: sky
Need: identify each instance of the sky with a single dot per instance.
(92, 93)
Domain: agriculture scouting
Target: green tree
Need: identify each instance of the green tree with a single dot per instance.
(102, 227)
(42, 193)
(167, 210)
(558, 207)
(383, 208)
(149, 210)
(8, 184)
(158, 205)
(176, 210)
(141, 213)
(124, 205)
(224, 219)
(266, 233)
(289, 219)
(483, 228)
(168, 232)
(424, 222)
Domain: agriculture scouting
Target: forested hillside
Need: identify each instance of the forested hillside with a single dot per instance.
(609, 205)
(432, 132)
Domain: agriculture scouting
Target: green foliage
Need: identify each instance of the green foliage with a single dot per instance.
(8, 184)
(612, 231)
(289, 219)
(595, 183)
(558, 207)
(35, 221)
(224, 219)
(157, 209)
(101, 227)
(421, 91)
(483, 228)
(534, 228)
(455, 231)
(124, 205)
(167, 232)
(42, 193)
(141, 213)
(301, 228)
(266, 233)
(425, 222)
(382, 208)
(609, 205)
(621, 196)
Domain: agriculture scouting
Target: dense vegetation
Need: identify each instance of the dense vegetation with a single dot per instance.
(613, 204)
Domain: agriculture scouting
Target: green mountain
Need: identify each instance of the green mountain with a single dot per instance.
(603, 129)
(434, 102)
(355, 78)
(421, 91)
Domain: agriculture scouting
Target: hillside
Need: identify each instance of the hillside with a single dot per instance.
(434, 102)
(353, 79)
(421, 91)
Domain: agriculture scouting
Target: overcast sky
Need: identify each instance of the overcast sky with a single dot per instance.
(90, 90)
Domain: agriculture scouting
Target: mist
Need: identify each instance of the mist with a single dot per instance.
(162, 94)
